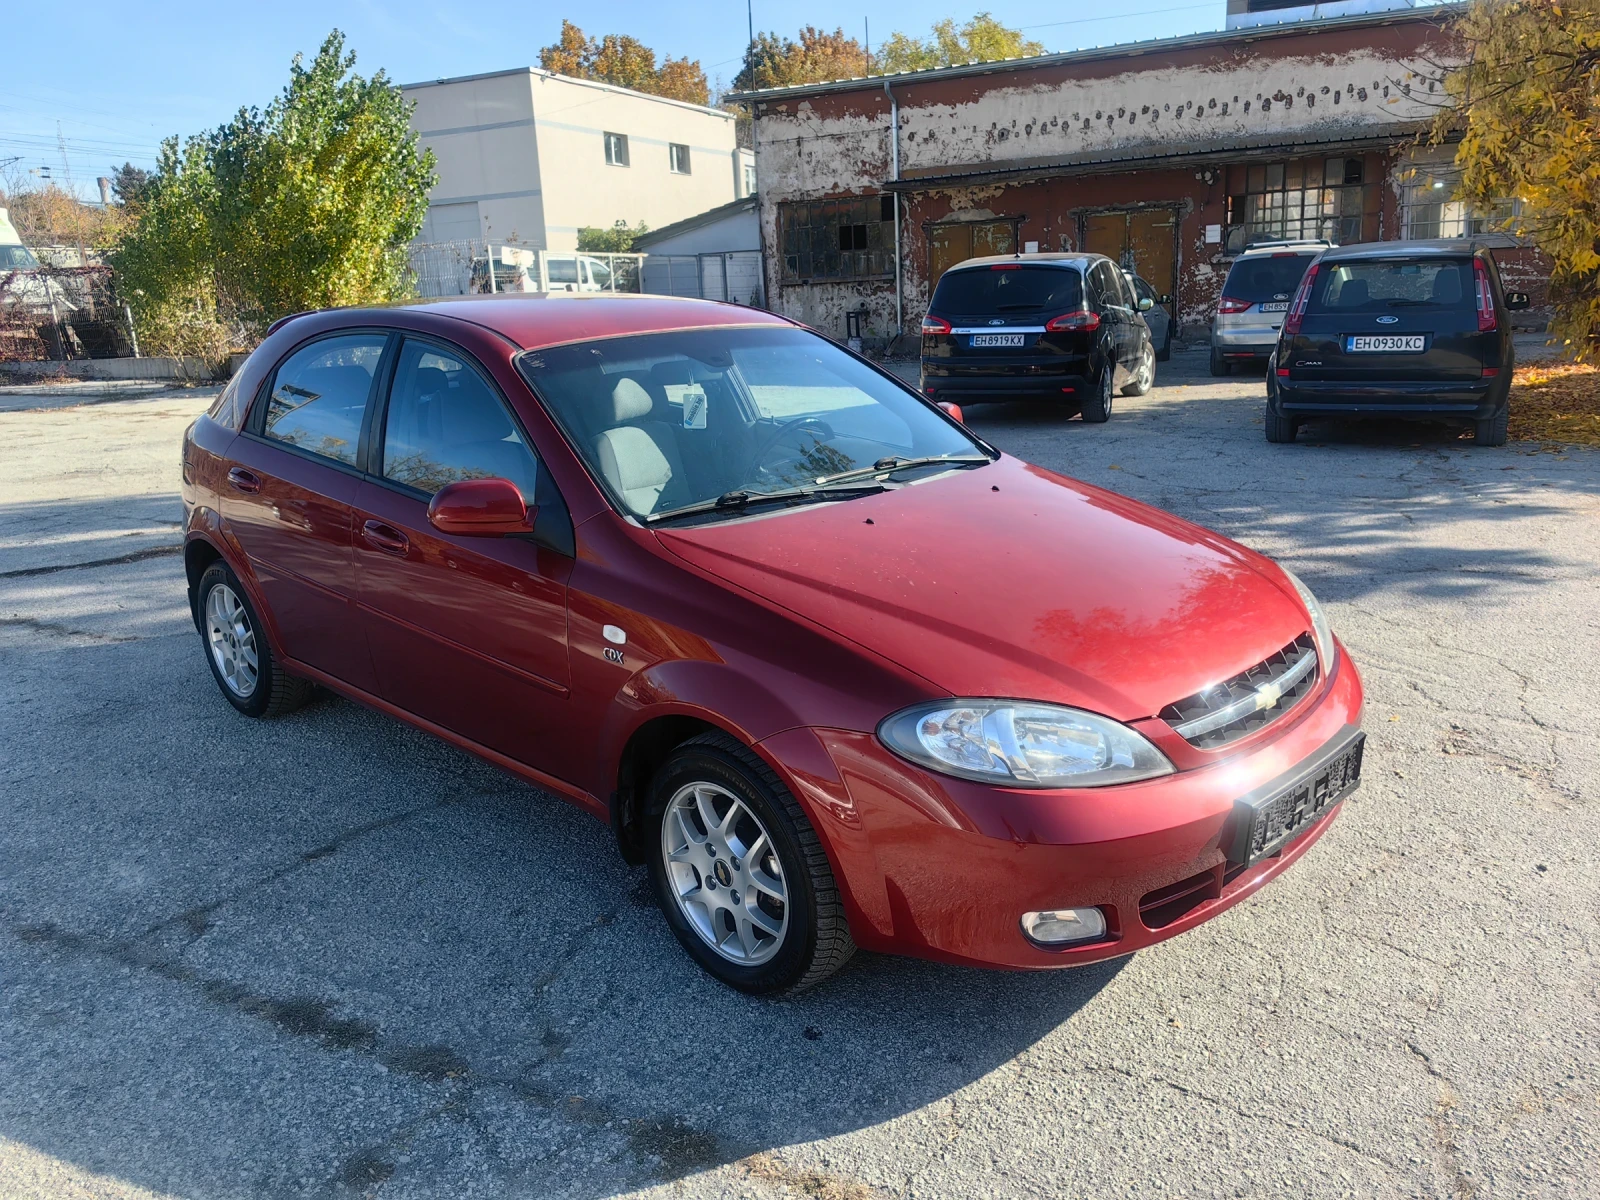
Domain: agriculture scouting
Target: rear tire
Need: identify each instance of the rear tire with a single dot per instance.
(1144, 376)
(1165, 353)
(1097, 410)
(705, 881)
(238, 652)
(1281, 429)
(1492, 432)
(1218, 367)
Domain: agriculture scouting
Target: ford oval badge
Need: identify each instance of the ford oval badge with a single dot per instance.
(1387, 320)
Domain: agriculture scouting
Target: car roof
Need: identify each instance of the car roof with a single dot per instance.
(1429, 248)
(536, 319)
(1048, 258)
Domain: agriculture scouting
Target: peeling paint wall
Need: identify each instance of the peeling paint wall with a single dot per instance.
(1260, 96)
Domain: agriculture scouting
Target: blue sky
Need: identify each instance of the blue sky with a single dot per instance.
(118, 77)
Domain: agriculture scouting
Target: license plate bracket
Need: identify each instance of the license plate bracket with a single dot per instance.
(985, 340)
(1272, 818)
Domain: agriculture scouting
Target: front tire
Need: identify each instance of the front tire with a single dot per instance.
(1097, 411)
(1144, 376)
(237, 650)
(1492, 432)
(739, 872)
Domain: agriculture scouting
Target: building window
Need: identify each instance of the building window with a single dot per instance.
(617, 149)
(678, 158)
(825, 240)
(749, 179)
(957, 241)
(1328, 199)
(1429, 208)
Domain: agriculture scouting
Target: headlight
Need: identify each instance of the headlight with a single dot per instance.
(1016, 744)
(1327, 648)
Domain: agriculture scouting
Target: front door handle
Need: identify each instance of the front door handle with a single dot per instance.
(243, 481)
(385, 537)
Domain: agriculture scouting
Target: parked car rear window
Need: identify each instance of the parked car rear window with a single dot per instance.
(1008, 289)
(1270, 277)
(1394, 283)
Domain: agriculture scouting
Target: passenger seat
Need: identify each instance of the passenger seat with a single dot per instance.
(639, 457)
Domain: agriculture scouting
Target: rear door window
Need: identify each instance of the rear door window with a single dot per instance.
(319, 395)
(1266, 279)
(1379, 285)
(1008, 289)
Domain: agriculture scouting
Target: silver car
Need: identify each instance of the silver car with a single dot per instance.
(1255, 296)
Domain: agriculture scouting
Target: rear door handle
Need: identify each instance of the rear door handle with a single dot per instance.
(243, 481)
(385, 537)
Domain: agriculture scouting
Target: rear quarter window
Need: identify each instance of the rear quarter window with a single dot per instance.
(1009, 289)
(1382, 284)
(1268, 278)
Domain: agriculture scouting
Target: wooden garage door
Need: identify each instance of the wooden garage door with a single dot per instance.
(957, 241)
(1143, 240)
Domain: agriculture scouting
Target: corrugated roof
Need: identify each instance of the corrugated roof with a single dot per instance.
(1430, 14)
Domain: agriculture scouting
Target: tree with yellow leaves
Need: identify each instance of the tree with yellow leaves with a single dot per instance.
(1527, 104)
(624, 61)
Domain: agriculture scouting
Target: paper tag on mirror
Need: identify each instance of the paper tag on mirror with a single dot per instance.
(694, 407)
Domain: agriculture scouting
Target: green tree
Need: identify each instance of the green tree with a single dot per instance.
(624, 61)
(307, 204)
(618, 239)
(771, 61)
(1527, 107)
(982, 39)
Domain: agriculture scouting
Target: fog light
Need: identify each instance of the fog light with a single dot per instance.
(1064, 926)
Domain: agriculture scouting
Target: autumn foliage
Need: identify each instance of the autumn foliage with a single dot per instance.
(624, 61)
(1527, 103)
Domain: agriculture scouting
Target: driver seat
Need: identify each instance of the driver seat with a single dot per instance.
(639, 457)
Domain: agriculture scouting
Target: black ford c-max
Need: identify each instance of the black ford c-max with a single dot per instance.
(1063, 327)
(1396, 329)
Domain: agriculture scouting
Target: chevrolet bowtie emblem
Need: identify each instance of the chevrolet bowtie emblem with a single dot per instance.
(1267, 695)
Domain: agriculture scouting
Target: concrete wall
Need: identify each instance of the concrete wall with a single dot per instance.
(1092, 130)
(527, 149)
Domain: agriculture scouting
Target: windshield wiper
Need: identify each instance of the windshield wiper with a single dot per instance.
(896, 463)
(741, 499)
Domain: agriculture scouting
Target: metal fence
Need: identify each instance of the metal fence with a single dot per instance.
(733, 275)
(62, 313)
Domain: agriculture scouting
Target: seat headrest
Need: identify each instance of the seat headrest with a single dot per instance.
(629, 401)
(1353, 294)
(430, 381)
(473, 415)
(1447, 286)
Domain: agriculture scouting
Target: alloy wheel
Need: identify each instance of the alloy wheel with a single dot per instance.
(724, 873)
(232, 640)
(1108, 388)
(1147, 369)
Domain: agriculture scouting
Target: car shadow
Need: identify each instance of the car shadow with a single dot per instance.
(305, 956)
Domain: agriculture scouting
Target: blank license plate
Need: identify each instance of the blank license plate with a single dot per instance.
(1269, 823)
(998, 339)
(1388, 343)
(1275, 306)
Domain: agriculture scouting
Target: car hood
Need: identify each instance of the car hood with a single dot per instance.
(1012, 581)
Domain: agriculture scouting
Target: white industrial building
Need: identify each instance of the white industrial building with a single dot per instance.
(527, 158)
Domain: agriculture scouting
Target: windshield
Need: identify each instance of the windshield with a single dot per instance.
(1270, 277)
(1007, 288)
(1380, 284)
(668, 420)
(15, 258)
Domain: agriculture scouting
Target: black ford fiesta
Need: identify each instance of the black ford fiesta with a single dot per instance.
(1396, 329)
(1067, 328)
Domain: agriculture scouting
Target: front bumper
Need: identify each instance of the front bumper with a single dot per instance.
(1474, 399)
(940, 868)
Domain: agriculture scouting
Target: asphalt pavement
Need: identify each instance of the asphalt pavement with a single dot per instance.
(330, 956)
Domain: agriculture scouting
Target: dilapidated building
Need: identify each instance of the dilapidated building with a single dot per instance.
(1168, 155)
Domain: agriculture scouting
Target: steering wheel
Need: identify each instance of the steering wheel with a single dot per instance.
(816, 425)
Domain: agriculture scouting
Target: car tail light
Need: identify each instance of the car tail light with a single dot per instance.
(1297, 306)
(1487, 321)
(932, 324)
(1071, 321)
(1283, 372)
(1490, 372)
(1006, 267)
(1230, 305)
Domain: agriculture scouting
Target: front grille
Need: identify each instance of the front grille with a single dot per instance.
(1233, 709)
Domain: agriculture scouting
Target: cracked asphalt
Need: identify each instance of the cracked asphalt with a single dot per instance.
(330, 957)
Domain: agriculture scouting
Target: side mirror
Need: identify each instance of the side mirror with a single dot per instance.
(1146, 304)
(1517, 301)
(480, 508)
(1163, 299)
(952, 410)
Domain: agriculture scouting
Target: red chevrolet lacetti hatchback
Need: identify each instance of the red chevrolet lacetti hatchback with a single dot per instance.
(840, 672)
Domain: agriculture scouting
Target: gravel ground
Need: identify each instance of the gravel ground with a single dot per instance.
(329, 956)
